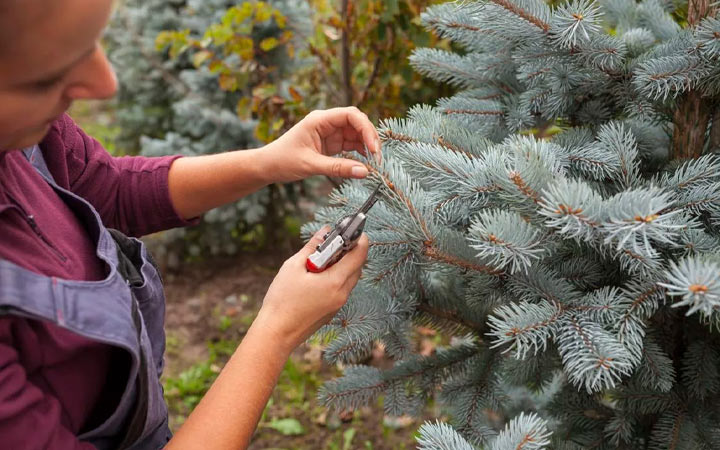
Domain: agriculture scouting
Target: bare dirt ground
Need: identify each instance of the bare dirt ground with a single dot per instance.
(209, 306)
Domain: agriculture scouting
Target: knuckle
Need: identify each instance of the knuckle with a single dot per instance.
(336, 168)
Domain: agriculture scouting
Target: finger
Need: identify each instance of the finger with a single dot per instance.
(354, 145)
(341, 167)
(335, 118)
(360, 122)
(354, 259)
(311, 245)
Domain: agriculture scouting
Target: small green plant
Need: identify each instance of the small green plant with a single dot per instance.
(184, 392)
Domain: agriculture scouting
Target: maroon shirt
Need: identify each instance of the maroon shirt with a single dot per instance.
(55, 384)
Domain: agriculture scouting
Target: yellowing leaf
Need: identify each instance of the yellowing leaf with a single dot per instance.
(276, 125)
(227, 82)
(200, 57)
(216, 66)
(243, 108)
(268, 44)
(336, 22)
(295, 94)
(262, 132)
(265, 90)
(280, 20)
(263, 12)
(243, 46)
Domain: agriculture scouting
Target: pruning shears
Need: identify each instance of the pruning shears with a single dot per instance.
(342, 238)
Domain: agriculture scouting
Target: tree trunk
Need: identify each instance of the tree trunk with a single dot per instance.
(345, 54)
(693, 112)
(715, 131)
(691, 120)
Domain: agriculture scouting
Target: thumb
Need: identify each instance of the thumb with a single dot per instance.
(342, 167)
(310, 247)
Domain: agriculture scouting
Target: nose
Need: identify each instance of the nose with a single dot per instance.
(94, 79)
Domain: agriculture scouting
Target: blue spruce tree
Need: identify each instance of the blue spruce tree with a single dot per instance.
(559, 218)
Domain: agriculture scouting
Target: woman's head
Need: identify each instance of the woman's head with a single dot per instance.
(49, 56)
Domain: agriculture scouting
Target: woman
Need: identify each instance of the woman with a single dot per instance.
(81, 337)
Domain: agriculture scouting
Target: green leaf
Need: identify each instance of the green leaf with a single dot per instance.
(348, 437)
(392, 8)
(277, 124)
(288, 427)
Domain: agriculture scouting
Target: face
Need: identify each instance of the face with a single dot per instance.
(51, 57)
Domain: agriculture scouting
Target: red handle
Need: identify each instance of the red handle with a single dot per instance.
(311, 267)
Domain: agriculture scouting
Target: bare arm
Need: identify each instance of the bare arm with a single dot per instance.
(228, 414)
(198, 184)
(296, 305)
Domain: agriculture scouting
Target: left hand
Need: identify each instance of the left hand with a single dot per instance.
(307, 148)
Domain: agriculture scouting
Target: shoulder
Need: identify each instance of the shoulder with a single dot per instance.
(67, 149)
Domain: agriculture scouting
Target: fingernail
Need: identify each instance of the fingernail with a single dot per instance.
(378, 150)
(359, 171)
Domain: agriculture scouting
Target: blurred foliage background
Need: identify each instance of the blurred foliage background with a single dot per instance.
(205, 76)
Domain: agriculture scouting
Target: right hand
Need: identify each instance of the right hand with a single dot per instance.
(299, 302)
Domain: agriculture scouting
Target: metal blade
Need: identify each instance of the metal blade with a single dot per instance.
(370, 201)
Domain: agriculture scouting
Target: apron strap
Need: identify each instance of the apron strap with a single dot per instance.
(129, 263)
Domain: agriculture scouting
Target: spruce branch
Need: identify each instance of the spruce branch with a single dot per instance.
(635, 218)
(636, 399)
(451, 316)
(656, 370)
(701, 369)
(620, 430)
(652, 15)
(671, 430)
(524, 432)
(523, 13)
(592, 357)
(441, 436)
(575, 23)
(708, 37)
(607, 53)
(694, 173)
(527, 327)
(669, 76)
(573, 209)
(642, 300)
(697, 281)
(435, 254)
(506, 240)
(357, 387)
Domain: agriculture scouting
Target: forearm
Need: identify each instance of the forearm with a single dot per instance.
(200, 183)
(228, 414)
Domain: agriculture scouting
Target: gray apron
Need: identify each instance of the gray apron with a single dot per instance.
(125, 310)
